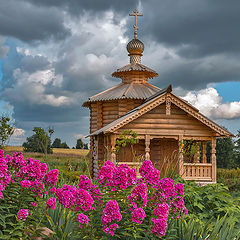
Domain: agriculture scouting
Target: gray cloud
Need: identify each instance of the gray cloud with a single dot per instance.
(69, 49)
(29, 23)
(3, 48)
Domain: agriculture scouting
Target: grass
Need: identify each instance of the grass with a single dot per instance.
(75, 159)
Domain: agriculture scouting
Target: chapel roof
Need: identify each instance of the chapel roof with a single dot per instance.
(153, 101)
(124, 91)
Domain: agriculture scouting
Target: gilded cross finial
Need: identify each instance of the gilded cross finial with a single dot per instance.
(135, 14)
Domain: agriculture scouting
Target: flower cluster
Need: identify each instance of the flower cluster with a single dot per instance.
(110, 213)
(51, 177)
(150, 175)
(82, 219)
(22, 214)
(5, 175)
(138, 215)
(51, 203)
(116, 177)
(139, 194)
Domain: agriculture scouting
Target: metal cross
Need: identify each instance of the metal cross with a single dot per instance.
(136, 14)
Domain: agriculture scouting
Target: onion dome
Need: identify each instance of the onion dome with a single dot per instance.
(135, 46)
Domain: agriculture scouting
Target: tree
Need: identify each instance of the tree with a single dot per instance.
(237, 148)
(64, 145)
(80, 144)
(56, 143)
(39, 142)
(225, 152)
(6, 130)
(85, 146)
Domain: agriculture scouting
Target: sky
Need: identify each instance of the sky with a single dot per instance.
(56, 54)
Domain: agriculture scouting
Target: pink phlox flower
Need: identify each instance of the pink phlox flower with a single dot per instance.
(1, 153)
(51, 203)
(82, 219)
(22, 214)
(179, 187)
(162, 210)
(167, 187)
(105, 175)
(139, 192)
(53, 190)
(66, 195)
(25, 184)
(138, 215)
(51, 177)
(110, 213)
(84, 182)
(84, 200)
(159, 226)
(149, 174)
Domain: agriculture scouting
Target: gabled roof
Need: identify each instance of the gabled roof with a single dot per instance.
(152, 102)
(125, 91)
(135, 67)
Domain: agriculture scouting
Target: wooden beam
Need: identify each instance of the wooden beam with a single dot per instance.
(147, 147)
(113, 148)
(214, 160)
(204, 151)
(180, 156)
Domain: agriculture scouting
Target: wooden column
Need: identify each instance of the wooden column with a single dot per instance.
(196, 156)
(147, 147)
(214, 160)
(180, 157)
(113, 148)
(95, 156)
(204, 151)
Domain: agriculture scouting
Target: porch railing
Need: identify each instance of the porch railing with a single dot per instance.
(197, 171)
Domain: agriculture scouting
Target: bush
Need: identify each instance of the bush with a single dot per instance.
(230, 178)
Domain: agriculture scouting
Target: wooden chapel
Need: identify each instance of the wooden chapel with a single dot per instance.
(161, 119)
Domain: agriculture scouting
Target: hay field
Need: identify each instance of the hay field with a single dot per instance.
(59, 157)
(58, 151)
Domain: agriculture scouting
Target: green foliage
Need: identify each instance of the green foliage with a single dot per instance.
(81, 145)
(126, 137)
(39, 142)
(224, 228)
(230, 178)
(16, 198)
(6, 130)
(237, 148)
(58, 144)
(209, 201)
(190, 148)
(225, 153)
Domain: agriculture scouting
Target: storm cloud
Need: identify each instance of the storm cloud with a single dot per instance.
(55, 54)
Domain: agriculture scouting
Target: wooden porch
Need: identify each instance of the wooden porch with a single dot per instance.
(201, 170)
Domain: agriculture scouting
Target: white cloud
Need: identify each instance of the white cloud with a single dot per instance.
(33, 87)
(210, 104)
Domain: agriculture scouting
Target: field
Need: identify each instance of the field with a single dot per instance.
(60, 156)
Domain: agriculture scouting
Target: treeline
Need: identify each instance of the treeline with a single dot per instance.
(228, 152)
(40, 142)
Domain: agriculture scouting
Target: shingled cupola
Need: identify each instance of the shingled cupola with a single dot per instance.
(163, 121)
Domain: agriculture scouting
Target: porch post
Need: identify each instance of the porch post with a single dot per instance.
(95, 156)
(113, 149)
(147, 147)
(204, 151)
(213, 159)
(180, 158)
